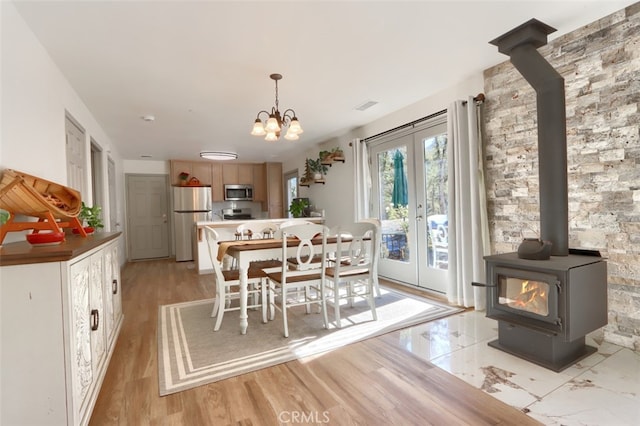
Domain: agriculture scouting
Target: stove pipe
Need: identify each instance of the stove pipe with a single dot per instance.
(520, 45)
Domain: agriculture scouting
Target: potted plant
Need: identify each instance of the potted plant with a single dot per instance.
(325, 157)
(337, 154)
(297, 207)
(183, 178)
(317, 168)
(91, 217)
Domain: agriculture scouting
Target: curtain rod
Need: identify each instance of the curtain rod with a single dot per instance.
(479, 99)
(407, 125)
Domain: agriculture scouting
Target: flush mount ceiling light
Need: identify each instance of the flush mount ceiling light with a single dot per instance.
(276, 121)
(219, 155)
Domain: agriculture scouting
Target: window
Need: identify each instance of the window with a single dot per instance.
(291, 188)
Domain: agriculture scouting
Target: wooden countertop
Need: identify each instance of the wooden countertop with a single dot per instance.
(23, 253)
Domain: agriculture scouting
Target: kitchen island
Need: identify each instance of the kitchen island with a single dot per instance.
(227, 229)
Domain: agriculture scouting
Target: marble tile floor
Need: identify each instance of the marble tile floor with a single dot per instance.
(602, 389)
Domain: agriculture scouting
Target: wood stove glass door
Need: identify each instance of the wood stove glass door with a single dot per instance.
(414, 218)
(525, 293)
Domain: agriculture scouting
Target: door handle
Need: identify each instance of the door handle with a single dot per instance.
(164, 217)
(477, 284)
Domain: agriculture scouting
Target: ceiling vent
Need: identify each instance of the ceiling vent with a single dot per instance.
(366, 105)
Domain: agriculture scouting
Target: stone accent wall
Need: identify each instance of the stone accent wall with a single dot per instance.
(601, 67)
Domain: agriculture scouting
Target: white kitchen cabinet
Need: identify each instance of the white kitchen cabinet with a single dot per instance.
(59, 321)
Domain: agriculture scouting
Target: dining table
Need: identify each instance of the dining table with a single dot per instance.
(247, 251)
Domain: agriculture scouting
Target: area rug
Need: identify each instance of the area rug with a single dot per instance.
(191, 354)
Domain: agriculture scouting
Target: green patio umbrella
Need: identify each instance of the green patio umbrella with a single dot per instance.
(399, 197)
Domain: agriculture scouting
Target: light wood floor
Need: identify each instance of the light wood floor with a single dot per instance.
(373, 382)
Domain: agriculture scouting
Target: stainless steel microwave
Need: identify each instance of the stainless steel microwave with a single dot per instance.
(238, 192)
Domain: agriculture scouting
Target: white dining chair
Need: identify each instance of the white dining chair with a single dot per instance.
(352, 274)
(377, 242)
(256, 229)
(293, 262)
(227, 283)
(303, 286)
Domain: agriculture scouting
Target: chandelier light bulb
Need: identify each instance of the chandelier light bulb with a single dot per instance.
(258, 128)
(271, 137)
(272, 124)
(295, 126)
(291, 136)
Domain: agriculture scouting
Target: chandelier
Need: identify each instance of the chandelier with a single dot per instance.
(276, 122)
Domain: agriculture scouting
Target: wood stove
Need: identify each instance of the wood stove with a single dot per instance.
(545, 308)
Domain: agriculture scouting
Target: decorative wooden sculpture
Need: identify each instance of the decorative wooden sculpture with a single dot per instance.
(56, 206)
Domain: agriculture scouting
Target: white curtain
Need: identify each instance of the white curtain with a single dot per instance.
(468, 224)
(362, 179)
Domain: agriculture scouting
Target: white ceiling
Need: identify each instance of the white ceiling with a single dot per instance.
(202, 68)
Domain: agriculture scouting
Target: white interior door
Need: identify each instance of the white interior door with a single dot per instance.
(113, 204)
(414, 227)
(76, 163)
(147, 216)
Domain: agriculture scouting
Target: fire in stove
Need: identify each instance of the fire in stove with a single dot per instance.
(526, 295)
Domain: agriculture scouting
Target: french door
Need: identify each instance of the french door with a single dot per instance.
(409, 180)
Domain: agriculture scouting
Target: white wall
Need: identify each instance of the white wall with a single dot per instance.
(336, 196)
(35, 98)
(148, 167)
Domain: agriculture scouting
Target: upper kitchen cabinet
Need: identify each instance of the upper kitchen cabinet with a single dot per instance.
(229, 174)
(177, 168)
(275, 204)
(266, 179)
(245, 174)
(202, 172)
(217, 192)
(259, 183)
(237, 174)
(199, 170)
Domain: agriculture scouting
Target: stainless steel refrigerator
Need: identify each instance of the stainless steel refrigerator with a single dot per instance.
(190, 205)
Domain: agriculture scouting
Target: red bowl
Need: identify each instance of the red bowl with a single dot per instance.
(87, 229)
(48, 238)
